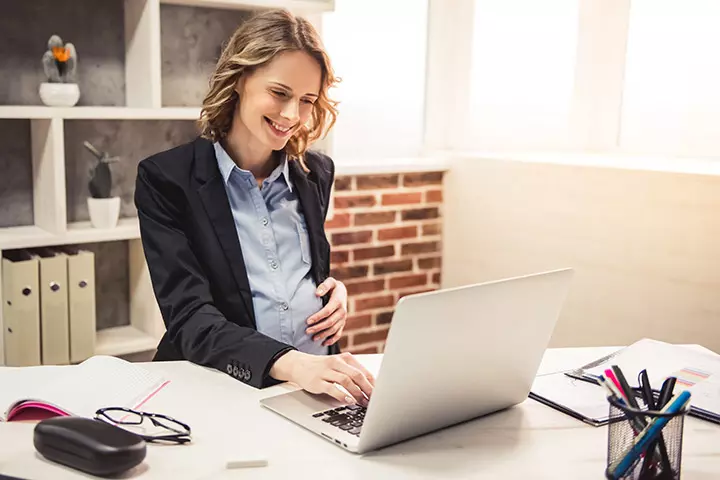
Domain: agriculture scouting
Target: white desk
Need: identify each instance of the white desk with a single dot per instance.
(527, 441)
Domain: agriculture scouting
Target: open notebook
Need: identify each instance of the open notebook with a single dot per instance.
(34, 393)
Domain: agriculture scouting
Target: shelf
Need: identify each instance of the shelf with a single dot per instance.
(99, 113)
(123, 341)
(304, 6)
(20, 237)
(77, 233)
(84, 232)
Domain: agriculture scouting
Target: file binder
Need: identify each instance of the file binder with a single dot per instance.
(54, 314)
(21, 309)
(81, 303)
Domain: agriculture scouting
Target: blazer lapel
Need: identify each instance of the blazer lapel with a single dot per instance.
(217, 206)
(309, 197)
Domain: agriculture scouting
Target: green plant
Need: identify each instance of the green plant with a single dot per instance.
(100, 183)
(60, 61)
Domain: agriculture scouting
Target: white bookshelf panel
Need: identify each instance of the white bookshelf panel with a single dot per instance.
(307, 6)
(98, 113)
(142, 53)
(77, 233)
(48, 174)
(123, 341)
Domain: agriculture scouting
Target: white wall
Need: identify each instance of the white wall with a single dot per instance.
(645, 245)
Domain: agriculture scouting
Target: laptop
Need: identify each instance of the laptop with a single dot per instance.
(451, 355)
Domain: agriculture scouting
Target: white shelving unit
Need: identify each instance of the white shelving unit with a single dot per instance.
(143, 94)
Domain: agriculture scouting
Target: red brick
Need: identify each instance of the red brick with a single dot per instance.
(367, 286)
(421, 247)
(339, 220)
(383, 318)
(408, 281)
(401, 198)
(374, 218)
(343, 183)
(374, 252)
(369, 337)
(362, 304)
(436, 277)
(433, 196)
(397, 233)
(353, 201)
(428, 263)
(364, 350)
(432, 229)
(426, 178)
(370, 182)
(421, 214)
(355, 322)
(391, 267)
(354, 271)
(339, 257)
(349, 238)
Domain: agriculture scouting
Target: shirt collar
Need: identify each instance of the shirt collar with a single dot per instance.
(226, 166)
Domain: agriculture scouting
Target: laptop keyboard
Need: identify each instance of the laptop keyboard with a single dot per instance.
(349, 418)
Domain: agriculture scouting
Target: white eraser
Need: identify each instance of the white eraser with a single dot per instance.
(246, 463)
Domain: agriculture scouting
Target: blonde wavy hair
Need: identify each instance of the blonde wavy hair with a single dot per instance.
(254, 44)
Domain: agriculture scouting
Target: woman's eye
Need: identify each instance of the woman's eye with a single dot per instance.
(278, 93)
(308, 101)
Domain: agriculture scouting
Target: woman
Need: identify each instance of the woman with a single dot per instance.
(232, 224)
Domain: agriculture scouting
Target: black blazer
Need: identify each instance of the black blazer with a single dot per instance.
(196, 263)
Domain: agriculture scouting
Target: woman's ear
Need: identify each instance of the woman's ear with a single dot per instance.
(239, 85)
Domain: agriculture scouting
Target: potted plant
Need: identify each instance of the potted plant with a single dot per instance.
(60, 65)
(104, 210)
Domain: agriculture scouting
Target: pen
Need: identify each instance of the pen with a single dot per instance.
(620, 466)
(610, 375)
(666, 391)
(629, 393)
(647, 392)
(635, 423)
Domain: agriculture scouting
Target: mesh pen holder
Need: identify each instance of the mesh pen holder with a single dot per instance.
(621, 436)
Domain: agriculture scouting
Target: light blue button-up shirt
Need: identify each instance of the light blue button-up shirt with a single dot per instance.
(276, 248)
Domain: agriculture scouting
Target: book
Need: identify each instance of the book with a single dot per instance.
(577, 393)
(34, 393)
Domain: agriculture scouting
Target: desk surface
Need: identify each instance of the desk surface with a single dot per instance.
(526, 441)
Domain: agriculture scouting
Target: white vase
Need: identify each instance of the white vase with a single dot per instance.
(104, 212)
(59, 94)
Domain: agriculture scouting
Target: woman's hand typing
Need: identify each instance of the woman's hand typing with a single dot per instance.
(323, 374)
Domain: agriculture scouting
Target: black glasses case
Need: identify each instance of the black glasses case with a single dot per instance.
(88, 445)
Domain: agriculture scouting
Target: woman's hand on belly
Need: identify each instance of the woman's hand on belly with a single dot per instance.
(327, 325)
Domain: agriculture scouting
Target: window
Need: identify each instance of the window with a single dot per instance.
(522, 74)
(671, 100)
(378, 48)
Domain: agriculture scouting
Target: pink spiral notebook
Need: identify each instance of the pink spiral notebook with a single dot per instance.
(35, 393)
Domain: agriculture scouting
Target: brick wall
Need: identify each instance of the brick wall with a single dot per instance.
(386, 242)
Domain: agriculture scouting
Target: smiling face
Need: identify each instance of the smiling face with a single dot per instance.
(277, 98)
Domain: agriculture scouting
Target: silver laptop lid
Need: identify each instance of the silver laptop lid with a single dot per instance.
(459, 353)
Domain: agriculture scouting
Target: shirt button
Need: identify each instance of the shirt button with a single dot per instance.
(264, 221)
(283, 306)
(273, 264)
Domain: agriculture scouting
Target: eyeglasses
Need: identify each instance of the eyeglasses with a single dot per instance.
(166, 429)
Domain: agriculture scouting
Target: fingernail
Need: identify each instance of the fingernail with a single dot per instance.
(350, 400)
(320, 290)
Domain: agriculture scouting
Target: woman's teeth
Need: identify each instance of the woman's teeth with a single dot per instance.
(279, 127)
